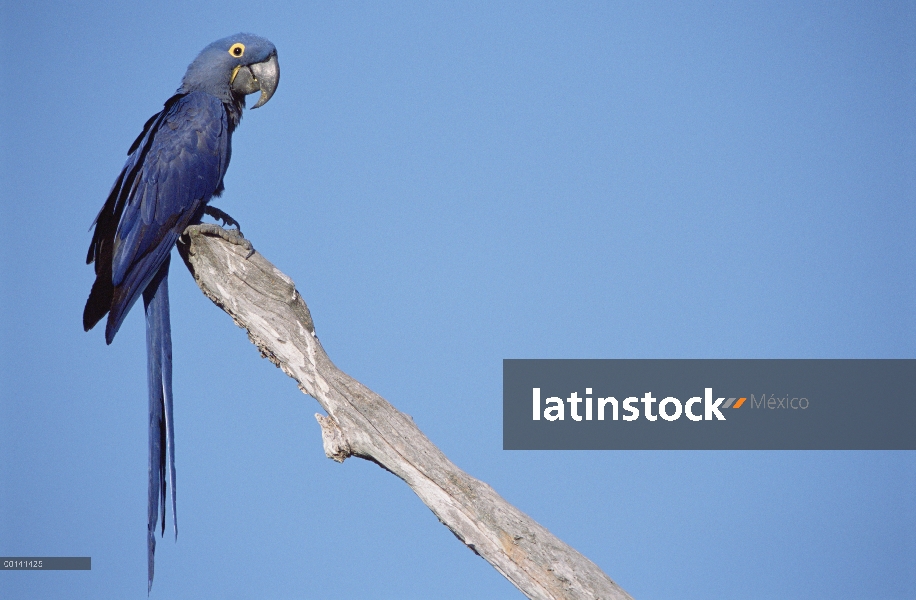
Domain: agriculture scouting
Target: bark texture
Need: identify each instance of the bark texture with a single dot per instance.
(359, 422)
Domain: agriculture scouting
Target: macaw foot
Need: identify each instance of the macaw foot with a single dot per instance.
(222, 216)
(233, 236)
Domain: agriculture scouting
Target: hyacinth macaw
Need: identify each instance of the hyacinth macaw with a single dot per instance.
(173, 169)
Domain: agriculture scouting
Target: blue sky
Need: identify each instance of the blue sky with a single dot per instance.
(450, 185)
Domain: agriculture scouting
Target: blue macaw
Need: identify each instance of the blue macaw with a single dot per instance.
(173, 169)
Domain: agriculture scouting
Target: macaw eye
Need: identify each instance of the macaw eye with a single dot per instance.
(237, 50)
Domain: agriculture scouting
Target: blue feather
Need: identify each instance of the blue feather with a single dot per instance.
(161, 423)
(184, 164)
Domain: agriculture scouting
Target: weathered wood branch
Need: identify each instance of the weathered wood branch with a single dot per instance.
(265, 302)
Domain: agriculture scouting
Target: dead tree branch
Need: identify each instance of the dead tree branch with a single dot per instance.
(265, 302)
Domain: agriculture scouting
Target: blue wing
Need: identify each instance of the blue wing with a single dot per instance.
(183, 165)
(175, 165)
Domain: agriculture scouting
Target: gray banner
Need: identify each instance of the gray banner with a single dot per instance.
(781, 404)
(45, 563)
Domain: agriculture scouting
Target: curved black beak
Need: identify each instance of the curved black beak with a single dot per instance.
(263, 76)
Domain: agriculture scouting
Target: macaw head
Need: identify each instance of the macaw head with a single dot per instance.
(237, 65)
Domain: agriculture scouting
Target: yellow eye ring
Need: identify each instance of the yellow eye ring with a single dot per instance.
(237, 50)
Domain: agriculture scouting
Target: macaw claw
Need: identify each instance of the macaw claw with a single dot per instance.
(233, 236)
(220, 215)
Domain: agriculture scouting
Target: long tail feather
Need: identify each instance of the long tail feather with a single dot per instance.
(161, 424)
